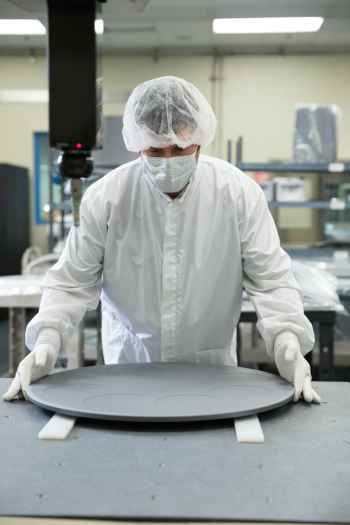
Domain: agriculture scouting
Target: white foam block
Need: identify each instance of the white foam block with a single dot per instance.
(58, 427)
(248, 429)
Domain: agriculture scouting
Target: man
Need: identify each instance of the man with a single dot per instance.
(175, 236)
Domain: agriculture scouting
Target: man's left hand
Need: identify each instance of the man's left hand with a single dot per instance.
(294, 367)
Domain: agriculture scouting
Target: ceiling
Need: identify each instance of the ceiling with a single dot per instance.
(185, 27)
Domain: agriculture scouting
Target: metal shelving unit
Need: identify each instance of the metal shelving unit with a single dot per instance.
(334, 169)
(334, 204)
(288, 167)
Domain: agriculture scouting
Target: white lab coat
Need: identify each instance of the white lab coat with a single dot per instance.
(172, 271)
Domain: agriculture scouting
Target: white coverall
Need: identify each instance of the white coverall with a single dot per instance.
(172, 271)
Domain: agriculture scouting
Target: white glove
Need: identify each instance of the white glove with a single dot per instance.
(293, 366)
(38, 363)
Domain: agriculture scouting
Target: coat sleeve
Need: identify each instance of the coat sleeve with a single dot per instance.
(268, 279)
(73, 285)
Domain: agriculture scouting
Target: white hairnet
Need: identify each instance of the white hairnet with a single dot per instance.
(167, 110)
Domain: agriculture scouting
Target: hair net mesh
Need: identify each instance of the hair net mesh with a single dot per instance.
(167, 110)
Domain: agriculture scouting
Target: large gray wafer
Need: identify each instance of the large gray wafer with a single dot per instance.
(160, 392)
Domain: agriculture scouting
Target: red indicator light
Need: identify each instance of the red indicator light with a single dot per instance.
(78, 145)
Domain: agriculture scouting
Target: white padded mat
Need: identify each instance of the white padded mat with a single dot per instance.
(160, 392)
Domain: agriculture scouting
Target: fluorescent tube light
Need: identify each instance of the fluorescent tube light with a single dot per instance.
(99, 26)
(307, 24)
(22, 27)
(34, 27)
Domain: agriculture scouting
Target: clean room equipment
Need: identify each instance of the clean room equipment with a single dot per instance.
(267, 186)
(14, 217)
(75, 130)
(112, 155)
(289, 189)
(161, 391)
(113, 152)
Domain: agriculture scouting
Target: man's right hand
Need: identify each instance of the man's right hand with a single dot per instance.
(37, 364)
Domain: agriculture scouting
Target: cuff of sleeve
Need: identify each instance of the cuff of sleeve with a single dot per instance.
(283, 336)
(50, 336)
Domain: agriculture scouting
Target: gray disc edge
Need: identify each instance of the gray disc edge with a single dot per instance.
(152, 419)
(208, 417)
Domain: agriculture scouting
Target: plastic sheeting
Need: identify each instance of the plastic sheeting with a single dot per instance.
(337, 268)
(99, 107)
(318, 286)
(315, 133)
(343, 289)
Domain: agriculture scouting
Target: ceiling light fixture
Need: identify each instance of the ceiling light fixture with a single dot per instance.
(307, 24)
(22, 27)
(99, 26)
(34, 27)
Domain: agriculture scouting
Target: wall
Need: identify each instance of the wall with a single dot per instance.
(257, 99)
(18, 122)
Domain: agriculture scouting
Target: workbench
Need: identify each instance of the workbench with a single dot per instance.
(17, 293)
(192, 471)
(326, 317)
(29, 296)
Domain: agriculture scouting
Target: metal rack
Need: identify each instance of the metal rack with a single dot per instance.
(336, 204)
(287, 167)
(335, 168)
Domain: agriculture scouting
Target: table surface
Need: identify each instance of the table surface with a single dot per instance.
(181, 471)
(21, 291)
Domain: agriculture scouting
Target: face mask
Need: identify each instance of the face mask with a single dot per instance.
(170, 175)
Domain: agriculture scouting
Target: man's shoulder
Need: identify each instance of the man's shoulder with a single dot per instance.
(114, 181)
(120, 173)
(229, 173)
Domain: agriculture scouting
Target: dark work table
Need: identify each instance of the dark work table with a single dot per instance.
(181, 472)
(326, 317)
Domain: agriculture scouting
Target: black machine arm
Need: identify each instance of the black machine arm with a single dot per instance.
(71, 51)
